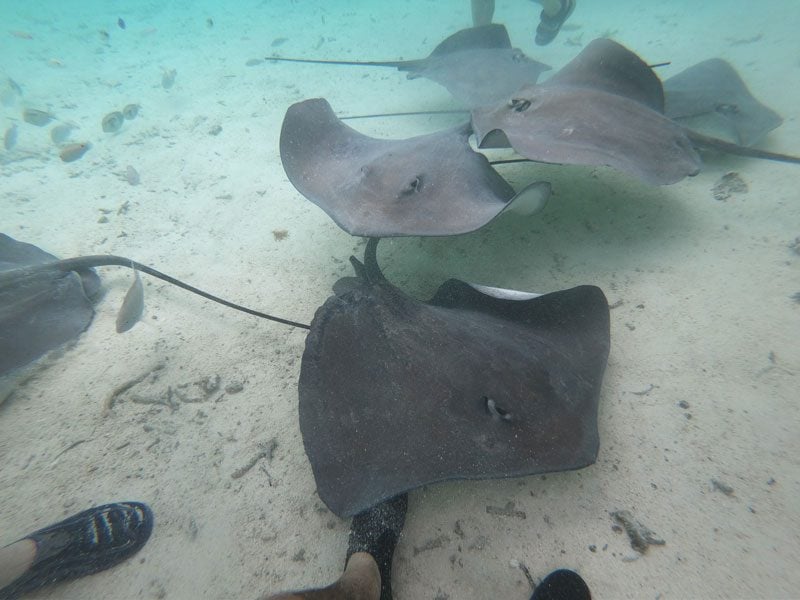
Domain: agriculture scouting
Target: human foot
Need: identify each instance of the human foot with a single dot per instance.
(85, 543)
(550, 25)
(376, 531)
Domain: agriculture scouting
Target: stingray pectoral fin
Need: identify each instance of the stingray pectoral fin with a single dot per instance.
(703, 141)
(132, 305)
(531, 199)
(495, 138)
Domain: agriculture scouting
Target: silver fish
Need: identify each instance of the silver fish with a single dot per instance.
(10, 92)
(37, 117)
(61, 133)
(10, 138)
(130, 111)
(168, 78)
(132, 176)
(132, 305)
(72, 152)
(113, 121)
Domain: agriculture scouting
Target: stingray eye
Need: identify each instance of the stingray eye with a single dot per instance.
(496, 411)
(517, 57)
(519, 104)
(415, 186)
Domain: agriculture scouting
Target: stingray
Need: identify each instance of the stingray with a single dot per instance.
(428, 185)
(606, 107)
(603, 108)
(394, 393)
(478, 66)
(40, 311)
(46, 302)
(475, 383)
(712, 98)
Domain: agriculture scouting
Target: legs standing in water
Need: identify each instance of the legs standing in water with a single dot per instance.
(554, 13)
(367, 576)
(360, 581)
(370, 549)
(482, 12)
(85, 543)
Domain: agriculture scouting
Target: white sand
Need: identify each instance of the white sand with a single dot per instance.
(705, 289)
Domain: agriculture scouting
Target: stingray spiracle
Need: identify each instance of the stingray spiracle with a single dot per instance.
(496, 411)
(414, 186)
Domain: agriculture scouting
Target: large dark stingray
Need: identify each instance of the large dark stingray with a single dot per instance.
(428, 185)
(45, 302)
(712, 98)
(478, 66)
(394, 393)
(475, 383)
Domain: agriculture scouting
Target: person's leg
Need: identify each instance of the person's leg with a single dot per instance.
(368, 575)
(88, 542)
(554, 13)
(361, 580)
(15, 559)
(482, 12)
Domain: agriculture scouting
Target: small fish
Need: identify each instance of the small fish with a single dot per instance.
(168, 78)
(279, 41)
(37, 117)
(209, 22)
(10, 138)
(14, 86)
(113, 121)
(104, 35)
(130, 111)
(73, 152)
(132, 305)
(121, 23)
(60, 133)
(10, 92)
(22, 35)
(132, 176)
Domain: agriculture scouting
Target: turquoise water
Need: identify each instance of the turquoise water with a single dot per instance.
(702, 376)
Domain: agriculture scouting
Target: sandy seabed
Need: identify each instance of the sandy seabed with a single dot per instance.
(702, 379)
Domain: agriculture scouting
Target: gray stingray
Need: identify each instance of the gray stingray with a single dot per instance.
(603, 108)
(45, 302)
(711, 97)
(428, 185)
(606, 107)
(475, 383)
(478, 66)
(39, 309)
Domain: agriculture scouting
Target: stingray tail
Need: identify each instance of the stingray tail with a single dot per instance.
(83, 262)
(369, 270)
(704, 141)
(351, 63)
